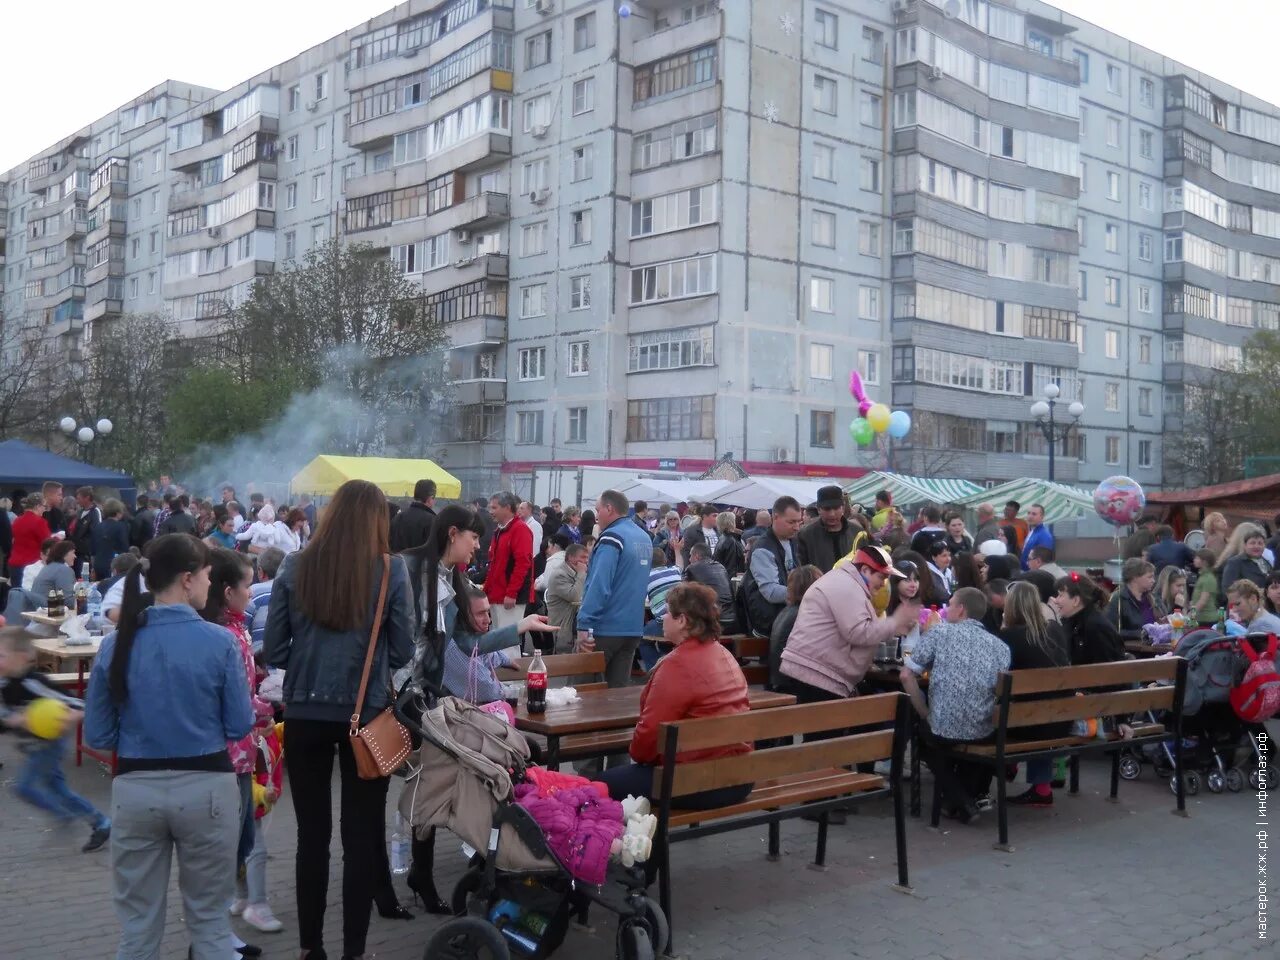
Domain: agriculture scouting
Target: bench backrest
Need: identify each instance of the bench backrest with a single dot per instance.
(1072, 693)
(751, 648)
(863, 729)
(560, 665)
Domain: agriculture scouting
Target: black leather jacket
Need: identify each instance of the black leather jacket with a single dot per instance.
(324, 666)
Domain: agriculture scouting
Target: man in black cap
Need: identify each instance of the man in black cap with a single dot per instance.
(823, 541)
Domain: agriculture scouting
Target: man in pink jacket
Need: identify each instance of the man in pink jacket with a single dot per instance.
(837, 632)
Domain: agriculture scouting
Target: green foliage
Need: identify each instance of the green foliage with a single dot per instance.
(208, 407)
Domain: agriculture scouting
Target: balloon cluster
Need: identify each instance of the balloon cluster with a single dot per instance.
(874, 418)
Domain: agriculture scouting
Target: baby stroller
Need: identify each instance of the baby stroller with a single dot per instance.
(516, 898)
(1214, 738)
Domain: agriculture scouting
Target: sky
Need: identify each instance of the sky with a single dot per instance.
(68, 62)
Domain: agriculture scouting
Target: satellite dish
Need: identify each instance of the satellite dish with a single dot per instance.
(951, 9)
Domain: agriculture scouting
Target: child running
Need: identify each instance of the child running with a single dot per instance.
(41, 782)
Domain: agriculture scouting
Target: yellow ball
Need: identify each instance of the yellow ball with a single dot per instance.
(46, 718)
(878, 417)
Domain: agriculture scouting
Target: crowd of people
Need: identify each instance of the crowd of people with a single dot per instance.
(228, 621)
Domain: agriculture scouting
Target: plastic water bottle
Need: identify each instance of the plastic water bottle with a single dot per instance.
(94, 605)
(400, 854)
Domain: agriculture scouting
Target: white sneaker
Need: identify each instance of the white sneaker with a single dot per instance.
(260, 917)
(237, 906)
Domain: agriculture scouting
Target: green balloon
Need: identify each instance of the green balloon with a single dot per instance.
(861, 431)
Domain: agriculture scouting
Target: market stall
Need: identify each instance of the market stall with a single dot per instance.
(909, 491)
(396, 478)
(24, 467)
(1061, 502)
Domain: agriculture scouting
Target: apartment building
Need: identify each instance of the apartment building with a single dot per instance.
(660, 238)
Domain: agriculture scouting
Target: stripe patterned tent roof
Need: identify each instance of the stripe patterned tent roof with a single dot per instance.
(909, 490)
(1060, 501)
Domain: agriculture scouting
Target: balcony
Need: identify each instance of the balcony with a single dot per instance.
(101, 229)
(106, 308)
(470, 391)
(112, 190)
(479, 331)
(482, 210)
(666, 43)
(487, 266)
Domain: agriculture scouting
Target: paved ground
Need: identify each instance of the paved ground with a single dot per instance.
(1089, 879)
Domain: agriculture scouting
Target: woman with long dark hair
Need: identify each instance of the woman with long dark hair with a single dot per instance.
(318, 630)
(441, 594)
(167, 692)
(1091, 637)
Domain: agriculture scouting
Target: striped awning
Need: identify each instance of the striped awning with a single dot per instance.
(1060, 501)
(908, 491)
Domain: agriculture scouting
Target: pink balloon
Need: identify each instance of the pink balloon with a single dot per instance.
(863, 406)
(855, 387)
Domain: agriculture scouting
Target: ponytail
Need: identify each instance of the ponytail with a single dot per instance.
(164, 560)
(1081, 586)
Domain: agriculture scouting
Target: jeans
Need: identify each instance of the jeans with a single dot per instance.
(636, 779)
(253, 888)
(961, 780)
(651, 653)
(42, 784)
(309, 747)
(1039, 770)
(244, 781)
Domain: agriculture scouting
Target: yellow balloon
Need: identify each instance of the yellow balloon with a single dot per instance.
(46, 717)
(878, 417)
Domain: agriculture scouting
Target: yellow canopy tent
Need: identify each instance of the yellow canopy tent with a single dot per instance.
(326, 473)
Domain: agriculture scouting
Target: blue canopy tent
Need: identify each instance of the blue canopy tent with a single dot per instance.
(25, 467)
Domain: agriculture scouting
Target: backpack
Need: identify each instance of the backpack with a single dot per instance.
(1257, 697)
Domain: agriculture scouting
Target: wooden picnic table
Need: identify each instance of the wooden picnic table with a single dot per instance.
(1142, 649)
(57, 649)
(610, 709)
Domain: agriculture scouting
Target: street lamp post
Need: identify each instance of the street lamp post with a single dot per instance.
(1045, 412)
(85, 434)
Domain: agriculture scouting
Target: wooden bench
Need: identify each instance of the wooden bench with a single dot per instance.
(789, 781)
(1058, 698)
(577, 746)
(753, 655)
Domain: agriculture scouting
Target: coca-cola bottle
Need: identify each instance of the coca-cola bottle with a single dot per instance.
(536, 684)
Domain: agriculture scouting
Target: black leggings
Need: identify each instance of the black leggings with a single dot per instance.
(309, 747)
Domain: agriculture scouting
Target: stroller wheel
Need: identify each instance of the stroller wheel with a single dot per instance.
(1255, 780)
(1215, 782)
(1235, 780)
(469, 884)
(633, 941)
(467, 938)
(1130, 768)
(655, 922)
(1191, 783)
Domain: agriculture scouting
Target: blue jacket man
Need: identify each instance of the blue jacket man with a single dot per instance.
(1038, 535)
(617, 582)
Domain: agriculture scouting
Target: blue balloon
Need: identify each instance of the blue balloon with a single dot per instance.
(899, 424)
(624, 11)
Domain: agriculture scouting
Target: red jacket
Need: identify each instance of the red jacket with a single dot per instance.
(695, 680)
(510, 564)
(29, 531)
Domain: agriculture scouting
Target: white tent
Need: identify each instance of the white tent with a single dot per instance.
(659, 490)
(758, 493)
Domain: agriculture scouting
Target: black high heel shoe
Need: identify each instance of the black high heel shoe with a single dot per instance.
(394, 912)
(430, 900)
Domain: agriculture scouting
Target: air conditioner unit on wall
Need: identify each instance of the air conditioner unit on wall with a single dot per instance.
(539, 196)
(312, 105)
(781, 455)
(215, 232)
(935, 73)
(464, 236)
(899, 7)
(540, 131)
(545, 7)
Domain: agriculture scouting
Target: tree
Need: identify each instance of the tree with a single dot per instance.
(1208, 443)
(209, 407)
(346, 322)
(28, 382)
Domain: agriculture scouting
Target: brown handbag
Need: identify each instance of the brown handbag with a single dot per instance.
(382, 745)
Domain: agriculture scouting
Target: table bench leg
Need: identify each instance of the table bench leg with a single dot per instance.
(820, 855)
(915, 769)
(775, 839)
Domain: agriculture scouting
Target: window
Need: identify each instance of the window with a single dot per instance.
(824, 94)
(1144, 349)
(537, 49)
(821, 360)
(1144, 247)
(822, 294)
(869, 238)
(1113, 291)
(295, 98)
(1144, 298)
(868, 175)
(155, 240)
(291, 148)
(1113, 78)
(1144, 401)
(1146, 92)
(1113, 238)
(869, 303)
(869, 367)
(137, 168)
(317, 234)
(290, 196)
(1082, 61)
(317, 187)
(529, 426)
(580, 227)
(824, 162)
(584, 95)
(533, 239)
(1144, 451)
(533, 363)
(1084, 176)
(823, 229)
(151, 282)
(290, 243)
(321, 136)
(869, 106)
(1112, 344)
(537, 112)
(579, 292)
(533, 301)
(577, 425)
(584, 32)
(1113, 131)
(582, 162)
(671, 349)
(1111, 397)
(826, 29)
(534, 175)
(1146, 144)
(872, 45)
(1082, 285)
(133, 288)
(579, 352)
(1113, 185)
(1144, 194)
(1112, 445)
(692, 277)
(821, 428)
(671, 418)
(673, 74)
(673, 211)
